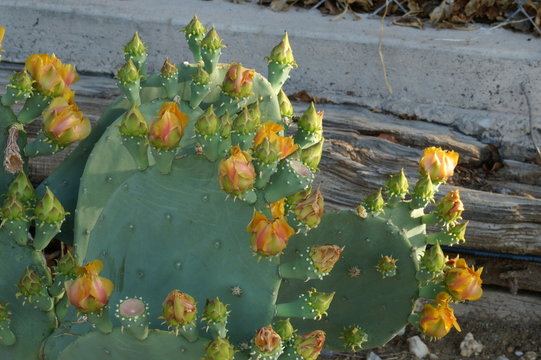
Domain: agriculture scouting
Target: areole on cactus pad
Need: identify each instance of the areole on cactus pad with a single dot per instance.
(192, 216)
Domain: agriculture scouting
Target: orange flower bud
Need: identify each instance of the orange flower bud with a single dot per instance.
(278, 208)
(325, 256)
(450, 207)
(268, 238)
(308, 346)
(269, 130)
(437, 319)
(168, 127)
(464, 282)
(310, 210)
(238, 81)
(179, 309)
(63, 123)
(89, 292)
(236, 174)
(51, 76)
(267, 340)
(438, 164)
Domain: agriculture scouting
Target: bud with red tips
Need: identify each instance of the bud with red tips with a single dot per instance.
(238, 82)
(236, 174)
(267, 344)
(179, 309)
(167, 129)
(450, 207)
(464, 282)
(64, 124)
(437, 318)
(268, 237)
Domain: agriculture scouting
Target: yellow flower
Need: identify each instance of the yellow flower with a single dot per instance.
(269, 130)
(278, 208)
(437, 318)
(89, 292)
(269, 237)
(168, 127)
(464, 282)
(438, 164)
(63, 123)
(51, 77)
(2, 32)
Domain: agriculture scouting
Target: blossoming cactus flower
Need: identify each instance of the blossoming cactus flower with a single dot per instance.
(211, 49)
(310, 130)
(20, 88)
(219, 349)
(215, 315)
(63, 124)
(50, 215)
(133, 316)
(15, 221)
(236, 174)
(438, 164)
(463, 282)
(437, 319)
(238, 81)
(134, 130)
(199, 87)
(135, 51)
(450, 208)
(180, 312)
(267, 344)
(33, 287)
(354, 337)
(169, 78)
(194, 33)
(166, 131)
(129, 82)
(281, 61)
(7, 337)
(268, 237)
(309, 210)
(309, 346)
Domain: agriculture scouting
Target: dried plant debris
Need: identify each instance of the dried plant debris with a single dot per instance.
(453, 14)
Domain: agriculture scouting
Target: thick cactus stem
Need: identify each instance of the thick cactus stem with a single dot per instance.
(278, 74)
(164, 159)
(42, 146)
(133, 316)
(312, 305)
(138, 149)
(194, 33)
(131, 90)
(33, 107)
(302, 269)
(291, 177)
(7, 337)
(264, 173)
(211, 58)
(45, 232)
(17, 230)
(100, 319)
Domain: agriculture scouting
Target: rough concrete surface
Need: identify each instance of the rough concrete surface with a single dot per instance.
(469, 80)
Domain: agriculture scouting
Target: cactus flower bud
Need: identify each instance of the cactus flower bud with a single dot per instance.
(286, 109)
(219, 349)
(67, 265)
(458, 232)
(30, 285)
(52, 78)
(133, 123)
(308, 346)
(433, 260)
(22, 82)
(22, 188)
(374, 202)
(49, 209)
(319, 302)
(267, 341)
(437, 319)
(310, 210)
(167, 129)
(89, 292)
(201, 77)
(13, 209)
(168, 69)
(135, 46)
(179, 309)
(311, 120)
(194, 27)
(269, 130)
(299, 196)
(325, 256)
(463, 282)
(212, 40)
(424, 189)
(282, 53)
(267, 151)
(438, 164)
(354, 337)
(397, 185)
(215, 311)
(128, 73)
(4, 312)
(450, 207)
(312, 155)
(226, 125)
(268, 237)
(63, 123)
(244, 123)
(2, 32)
(238, 81)
(236, 174)
(278, 208)
(284, 329)
(208, 123)
(387, 266)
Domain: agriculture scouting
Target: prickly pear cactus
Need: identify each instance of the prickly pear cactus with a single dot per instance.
(193, 214)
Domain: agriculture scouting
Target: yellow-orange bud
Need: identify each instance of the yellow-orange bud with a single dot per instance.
(236, 174)
(438, 164)
(63, 123)
(268, 237)
(437, 319)
(168, 127)
(464, 282)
